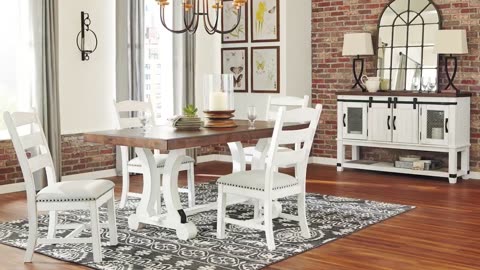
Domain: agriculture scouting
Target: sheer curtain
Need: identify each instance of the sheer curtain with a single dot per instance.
(18, 51)
(28, 74)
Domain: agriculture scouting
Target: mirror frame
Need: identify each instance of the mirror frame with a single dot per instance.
(390, 68)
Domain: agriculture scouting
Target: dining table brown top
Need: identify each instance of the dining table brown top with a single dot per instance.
(166, 138)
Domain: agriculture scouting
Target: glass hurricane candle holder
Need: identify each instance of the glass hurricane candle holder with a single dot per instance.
(219, 100)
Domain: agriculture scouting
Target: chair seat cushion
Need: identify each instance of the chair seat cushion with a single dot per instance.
(74, 191)
(251, 149)
(255, 180)
(160, 159)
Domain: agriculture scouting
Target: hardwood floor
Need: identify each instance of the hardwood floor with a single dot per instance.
(443, 232)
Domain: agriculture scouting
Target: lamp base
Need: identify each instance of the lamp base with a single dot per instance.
(454, 74)
(219, 119)
(359, 76)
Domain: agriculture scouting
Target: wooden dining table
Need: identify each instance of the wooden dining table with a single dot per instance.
(166, 138)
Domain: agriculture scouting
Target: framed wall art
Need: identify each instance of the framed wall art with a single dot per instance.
(265, 20)
(266, 69)
(229, 19)
(235, 61)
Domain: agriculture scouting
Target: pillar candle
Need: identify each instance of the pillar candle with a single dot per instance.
(218, 101)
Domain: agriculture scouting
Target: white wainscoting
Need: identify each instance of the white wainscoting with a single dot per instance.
(11, 188)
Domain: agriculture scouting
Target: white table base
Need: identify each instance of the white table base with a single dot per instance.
(148, 211)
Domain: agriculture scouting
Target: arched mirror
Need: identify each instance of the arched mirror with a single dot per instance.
(406, 36)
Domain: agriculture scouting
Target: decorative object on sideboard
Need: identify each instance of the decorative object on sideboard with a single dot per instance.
(193, 10)
(371, 83)
(357, 44)
(82, 37)
(219, 100)
(406, 39)
(451, 42)
(414, 162)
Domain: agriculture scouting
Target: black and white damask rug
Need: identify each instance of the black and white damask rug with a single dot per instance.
(329, 218)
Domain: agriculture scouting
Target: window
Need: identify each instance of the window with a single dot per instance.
(159, 60)
(17, 51)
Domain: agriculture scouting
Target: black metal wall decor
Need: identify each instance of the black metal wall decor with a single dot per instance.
(83, 34)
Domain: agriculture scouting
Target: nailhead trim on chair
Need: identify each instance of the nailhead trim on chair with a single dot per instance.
(73, 199)
(258, 189)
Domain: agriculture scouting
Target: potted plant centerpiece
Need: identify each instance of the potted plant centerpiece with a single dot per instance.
(189, 120)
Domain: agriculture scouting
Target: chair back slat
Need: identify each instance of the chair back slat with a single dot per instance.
(288, 158)
(301, 115)
(126, 111)
(293, 136)
(39, 162)
(133, 106)
(32, 140)
(287, 102)
(23, 118)
(133, 122)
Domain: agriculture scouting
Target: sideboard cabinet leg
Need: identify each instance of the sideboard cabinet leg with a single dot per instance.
(340, 156)
(452, 166)
(466, 163)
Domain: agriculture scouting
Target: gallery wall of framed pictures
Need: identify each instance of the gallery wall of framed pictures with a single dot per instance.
(252, 51)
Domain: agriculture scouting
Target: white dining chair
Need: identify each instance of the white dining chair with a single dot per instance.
(273, 104)
(125, 120)
(34, 156)
(269, 185)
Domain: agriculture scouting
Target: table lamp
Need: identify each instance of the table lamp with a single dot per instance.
(451, 42)
(357, 44)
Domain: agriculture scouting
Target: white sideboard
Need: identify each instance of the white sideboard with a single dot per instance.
(409, 121)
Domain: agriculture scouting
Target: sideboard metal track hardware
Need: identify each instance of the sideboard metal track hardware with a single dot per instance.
(399, 102)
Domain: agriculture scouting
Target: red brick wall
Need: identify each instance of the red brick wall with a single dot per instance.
(78, 157)
(331, 19)
(9, 169)
(81, 157)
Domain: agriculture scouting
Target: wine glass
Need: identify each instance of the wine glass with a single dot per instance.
(145, 120)
(252, 116)
(425, 82)
(416, 83)
(432, 85)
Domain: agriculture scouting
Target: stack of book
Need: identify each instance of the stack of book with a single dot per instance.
(188, 123)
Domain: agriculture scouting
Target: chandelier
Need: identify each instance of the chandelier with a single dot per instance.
(194, 9)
